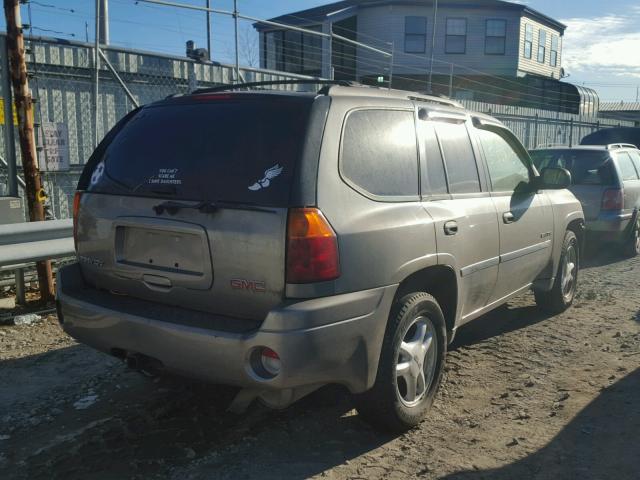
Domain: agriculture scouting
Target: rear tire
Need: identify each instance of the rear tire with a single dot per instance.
(410, 367)
(632, 244)
(561, 295)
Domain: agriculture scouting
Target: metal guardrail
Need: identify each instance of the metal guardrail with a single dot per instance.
(33, 241)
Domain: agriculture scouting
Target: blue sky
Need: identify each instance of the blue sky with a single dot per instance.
(601, 45)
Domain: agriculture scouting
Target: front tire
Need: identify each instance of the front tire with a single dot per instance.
(561, 295)
(410, 367)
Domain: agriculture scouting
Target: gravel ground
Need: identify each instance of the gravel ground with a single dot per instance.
(525, 396)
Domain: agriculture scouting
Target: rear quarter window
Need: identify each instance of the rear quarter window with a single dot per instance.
(627, 169)
(587, 167)
(379, 153)
(232, 149)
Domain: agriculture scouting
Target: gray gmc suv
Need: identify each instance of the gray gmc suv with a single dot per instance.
(280, 241)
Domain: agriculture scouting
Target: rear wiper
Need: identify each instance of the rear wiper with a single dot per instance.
(172, 207)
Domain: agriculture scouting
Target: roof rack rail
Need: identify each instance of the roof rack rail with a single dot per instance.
(240, 86)
(621, 145)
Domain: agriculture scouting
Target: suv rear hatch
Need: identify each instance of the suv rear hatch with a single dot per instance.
(186, 203)
(592, 172)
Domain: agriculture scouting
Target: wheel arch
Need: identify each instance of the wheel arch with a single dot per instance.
(577, 226)
(441, 282)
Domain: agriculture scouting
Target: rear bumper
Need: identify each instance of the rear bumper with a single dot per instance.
(333, 339)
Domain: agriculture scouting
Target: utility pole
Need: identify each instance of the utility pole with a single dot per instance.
(24, 107)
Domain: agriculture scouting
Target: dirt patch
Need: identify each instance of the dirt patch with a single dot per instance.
(525, 396)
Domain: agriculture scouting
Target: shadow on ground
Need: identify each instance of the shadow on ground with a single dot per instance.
(600, 442)
(502, 320)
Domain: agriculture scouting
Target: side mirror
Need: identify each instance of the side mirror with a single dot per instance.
(554, 178)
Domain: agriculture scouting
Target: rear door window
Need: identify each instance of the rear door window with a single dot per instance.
(379, 152)
(625, 164)
(587, 167)
(462, 170)
(434, 180)
(231, 148)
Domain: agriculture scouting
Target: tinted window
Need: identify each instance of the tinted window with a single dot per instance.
(434, 181)
(458, 157)
(507, 168)
(586, 167)
(627, 170)
(379, 152)
(228, 149)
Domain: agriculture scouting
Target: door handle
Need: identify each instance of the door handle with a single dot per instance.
(450, 228)
(508, 217)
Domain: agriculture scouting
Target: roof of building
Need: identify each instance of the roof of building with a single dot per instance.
(319, 14)
(620, 106)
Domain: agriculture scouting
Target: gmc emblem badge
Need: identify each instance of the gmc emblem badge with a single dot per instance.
(251, 285)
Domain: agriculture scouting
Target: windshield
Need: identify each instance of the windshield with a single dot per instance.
(229, 149)
(587, 167)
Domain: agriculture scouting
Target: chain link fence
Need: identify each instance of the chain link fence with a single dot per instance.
(63, 82)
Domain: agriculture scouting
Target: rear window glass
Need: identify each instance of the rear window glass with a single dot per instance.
(240, 150)
(586, 167)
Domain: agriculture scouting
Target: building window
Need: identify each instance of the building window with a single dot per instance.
(528, 40)
(415, 34)
(542, 46)
(555, 42)
(456, 39)
(495, 37)
(273, 43)
(293, 51)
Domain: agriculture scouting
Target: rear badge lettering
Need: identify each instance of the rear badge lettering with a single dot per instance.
(269, 175)
(91, 261)
(249, 285)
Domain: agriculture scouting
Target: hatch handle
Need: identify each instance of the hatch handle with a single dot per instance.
(172, 207)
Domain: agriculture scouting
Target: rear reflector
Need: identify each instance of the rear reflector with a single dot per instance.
(612, 199)
(312, 247)
(270, 361)
(76, 211)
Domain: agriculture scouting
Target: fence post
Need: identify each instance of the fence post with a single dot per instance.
(9, 133)
(96, 75)
(391, 66)
(235, 28)
(535, 132)
(571, 132)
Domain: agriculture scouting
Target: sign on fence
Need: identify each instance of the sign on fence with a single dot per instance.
(55, 143)
(15, 115)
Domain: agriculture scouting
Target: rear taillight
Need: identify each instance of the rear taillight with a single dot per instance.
(76, 211)
(312, 247)
(612, 199)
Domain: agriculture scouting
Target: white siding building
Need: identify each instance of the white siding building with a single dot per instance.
(515, 46)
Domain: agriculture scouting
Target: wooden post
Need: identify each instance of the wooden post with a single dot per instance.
(24, 107)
